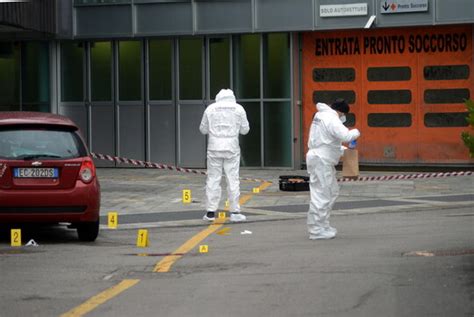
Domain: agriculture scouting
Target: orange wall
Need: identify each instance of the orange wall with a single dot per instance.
(396, 47)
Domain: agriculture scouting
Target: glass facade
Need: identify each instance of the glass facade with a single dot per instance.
(24, 76)
(9, 76)
(101, 71)
(219, 65)
(247, 66)
(251, 144)
(255, 66)
(277, 134)
(276, 65)
(35, 76)
(72, 71)
(160, 69)
(130, 75)
(261, 73)
(277, 114)
(190, 69)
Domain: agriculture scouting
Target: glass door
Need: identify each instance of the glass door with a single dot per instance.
(100, 98)
(73, 101)
(130, 106)
(191, 103)
(161, 109)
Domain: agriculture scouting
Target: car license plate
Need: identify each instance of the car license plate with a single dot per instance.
(36, 172)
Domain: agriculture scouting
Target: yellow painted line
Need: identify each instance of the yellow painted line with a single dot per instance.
(100, 298)
(264, 185)
(167, 262)
(223, 231)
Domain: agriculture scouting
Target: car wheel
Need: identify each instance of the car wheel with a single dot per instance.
(88, 231)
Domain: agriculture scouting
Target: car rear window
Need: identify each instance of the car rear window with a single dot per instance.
(40, 143)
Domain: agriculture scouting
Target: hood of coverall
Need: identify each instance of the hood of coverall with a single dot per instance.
(325, 110)
(225, 95)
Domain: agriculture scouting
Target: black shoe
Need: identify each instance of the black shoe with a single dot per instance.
(209, 216)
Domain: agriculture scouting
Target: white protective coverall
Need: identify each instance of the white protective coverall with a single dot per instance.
(324, 151)
(223, 120)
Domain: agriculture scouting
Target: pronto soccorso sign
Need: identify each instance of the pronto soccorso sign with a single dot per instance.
(391, 44)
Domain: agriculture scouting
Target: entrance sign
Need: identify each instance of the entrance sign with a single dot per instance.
(403, 6)
(381, 44)
(339, 10)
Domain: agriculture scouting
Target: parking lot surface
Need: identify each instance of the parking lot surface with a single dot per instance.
(404, 248)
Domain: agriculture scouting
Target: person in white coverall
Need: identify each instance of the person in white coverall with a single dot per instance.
(325, 148)
(223, 121)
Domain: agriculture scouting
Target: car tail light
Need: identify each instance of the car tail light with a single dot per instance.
(87, 171)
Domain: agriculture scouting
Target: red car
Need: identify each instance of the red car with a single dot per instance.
(46, 173)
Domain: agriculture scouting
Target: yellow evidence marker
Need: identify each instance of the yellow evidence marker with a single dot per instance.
(221, 215)
(16, 237)
(142, 238)
(186, 196)
(256, 190)
(113, 220)
(227, 203)
(203, 248)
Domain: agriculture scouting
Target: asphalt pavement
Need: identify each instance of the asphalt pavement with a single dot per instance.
(404, 248)
(153, 197)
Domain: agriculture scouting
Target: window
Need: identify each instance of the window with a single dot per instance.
(266, 65)
(276, 65)
(389, 120)
(277, 134)
(250, 143)
(350, 120)
(388, 73)
(448, 119)
(101, 71)
(247, 66)
(160, 67)
(9, 76)
(328, 96)
(389, 97)
(130, 75)
(35, 76)
(219, 51)
(442, 96)
(334, 74)
(51, 144)
(72, 75)
(446, 72)
(190, 69)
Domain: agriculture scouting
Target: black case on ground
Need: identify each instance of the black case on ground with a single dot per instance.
(287, 184)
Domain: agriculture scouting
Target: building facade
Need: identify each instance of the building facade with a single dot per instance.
(136, 75)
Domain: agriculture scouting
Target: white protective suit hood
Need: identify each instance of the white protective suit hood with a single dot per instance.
(224, 120)
(327, 134)
(225, 95)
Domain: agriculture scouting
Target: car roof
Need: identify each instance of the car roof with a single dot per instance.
(35, 118)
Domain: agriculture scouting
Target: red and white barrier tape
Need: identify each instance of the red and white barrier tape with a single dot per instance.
(359, 179)
(406, 176)
(159, 166)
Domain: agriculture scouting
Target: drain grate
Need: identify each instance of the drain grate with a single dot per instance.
(440, 253)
